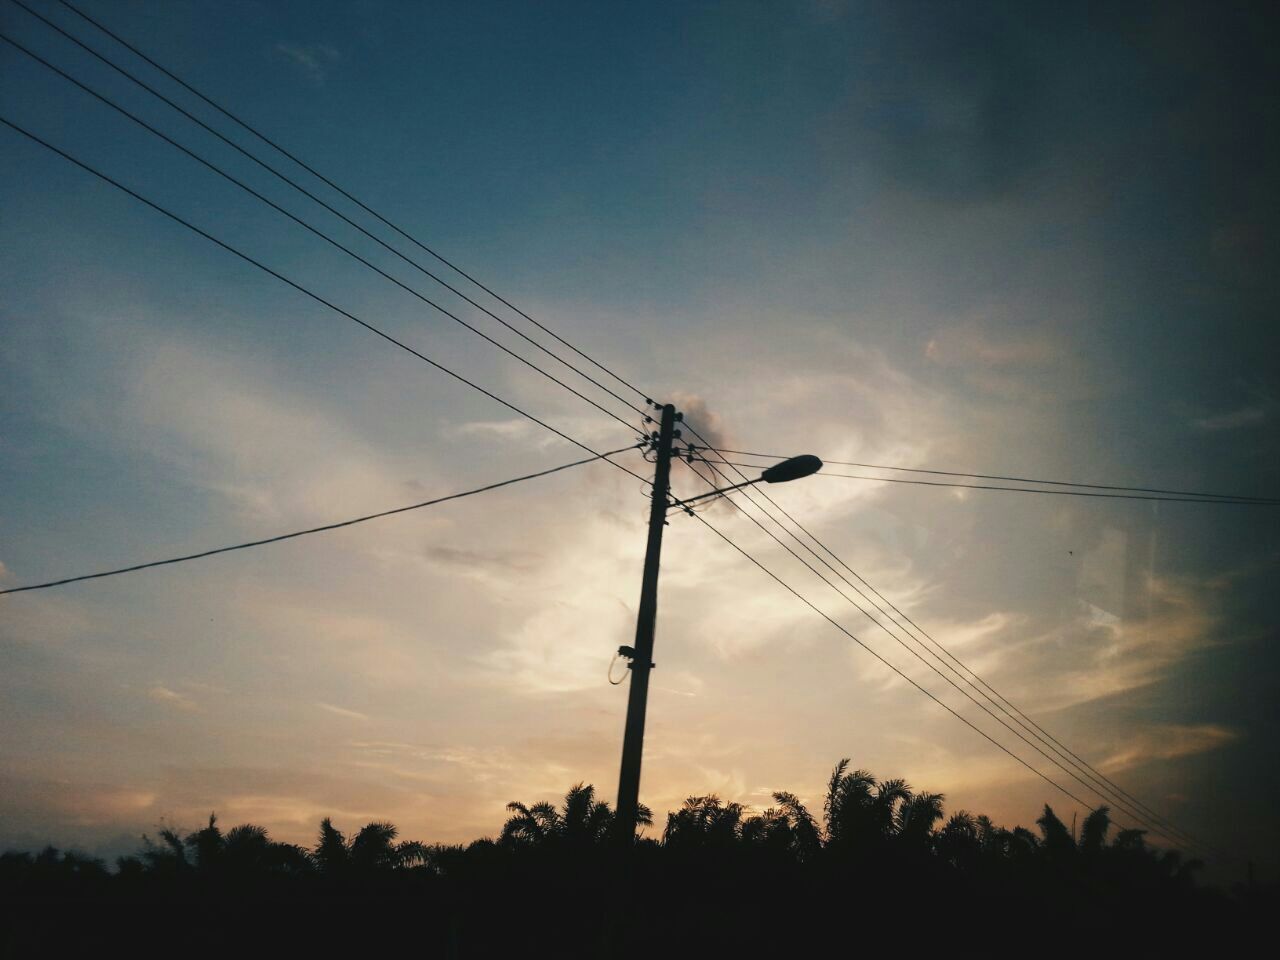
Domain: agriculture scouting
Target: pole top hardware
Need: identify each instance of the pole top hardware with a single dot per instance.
(629, 653)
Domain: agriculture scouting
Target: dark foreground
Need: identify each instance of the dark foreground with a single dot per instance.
(878, 870)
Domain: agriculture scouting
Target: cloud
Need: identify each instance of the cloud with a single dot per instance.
(517, 428)
(953, 114)
(266, 450)
(314, 59)
(343, 712)
(84, 804)
(1099, 654)
(1002, 357)
(1232, 420)
(479, 563)
(978, 644)
(966, 344)
(699, 415)
(161, 694)
(1168, 742)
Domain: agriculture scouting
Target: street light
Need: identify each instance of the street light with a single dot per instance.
(642, 654)
(794, 469)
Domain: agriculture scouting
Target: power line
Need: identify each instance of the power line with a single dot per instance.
(897, 670)
(208, 236)
(315, 173)
(1100, 793)
(1054, 493)
(321, 529)
(314, 296)
(1051, 742)
(992, 476)
(1111, 795)
(440, 258)
(1104, 795)
(1004, 704)
(319, 233)
(240, 149)
(319, 299)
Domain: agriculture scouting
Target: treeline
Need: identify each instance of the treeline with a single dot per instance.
(878, 856)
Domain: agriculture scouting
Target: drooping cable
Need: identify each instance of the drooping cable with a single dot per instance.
(321, 529)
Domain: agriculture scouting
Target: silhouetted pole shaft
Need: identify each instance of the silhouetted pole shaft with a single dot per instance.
(642, 663)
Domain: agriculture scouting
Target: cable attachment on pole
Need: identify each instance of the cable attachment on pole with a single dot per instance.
(628, 654)
(612, 681)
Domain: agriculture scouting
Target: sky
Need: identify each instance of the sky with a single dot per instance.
(1001, 238)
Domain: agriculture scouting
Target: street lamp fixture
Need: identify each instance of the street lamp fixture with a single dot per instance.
(794, 469)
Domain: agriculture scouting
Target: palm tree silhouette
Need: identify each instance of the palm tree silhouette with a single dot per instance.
(372, 849)
(582, 821)
(704, 822)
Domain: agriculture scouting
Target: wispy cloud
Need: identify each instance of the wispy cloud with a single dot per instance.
(1100, 655)
(1168, 742)
(343, 712)
(315, 59)
(482, 563)
(162, 694)
(1232, 420)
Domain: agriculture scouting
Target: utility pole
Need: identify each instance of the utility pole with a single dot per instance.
(642, 655)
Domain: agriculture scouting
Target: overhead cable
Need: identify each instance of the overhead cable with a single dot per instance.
(367, 209)
(1053, 493)
(321, 529)
(314, 296)
(1100, 793)
(993, 476)
(432, 253)
(897, 670)
(323, 236)
(986, 690)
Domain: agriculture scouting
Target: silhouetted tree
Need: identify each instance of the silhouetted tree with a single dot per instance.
(373, 849)
(704, 822)
(877, 840)
(582, 821)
